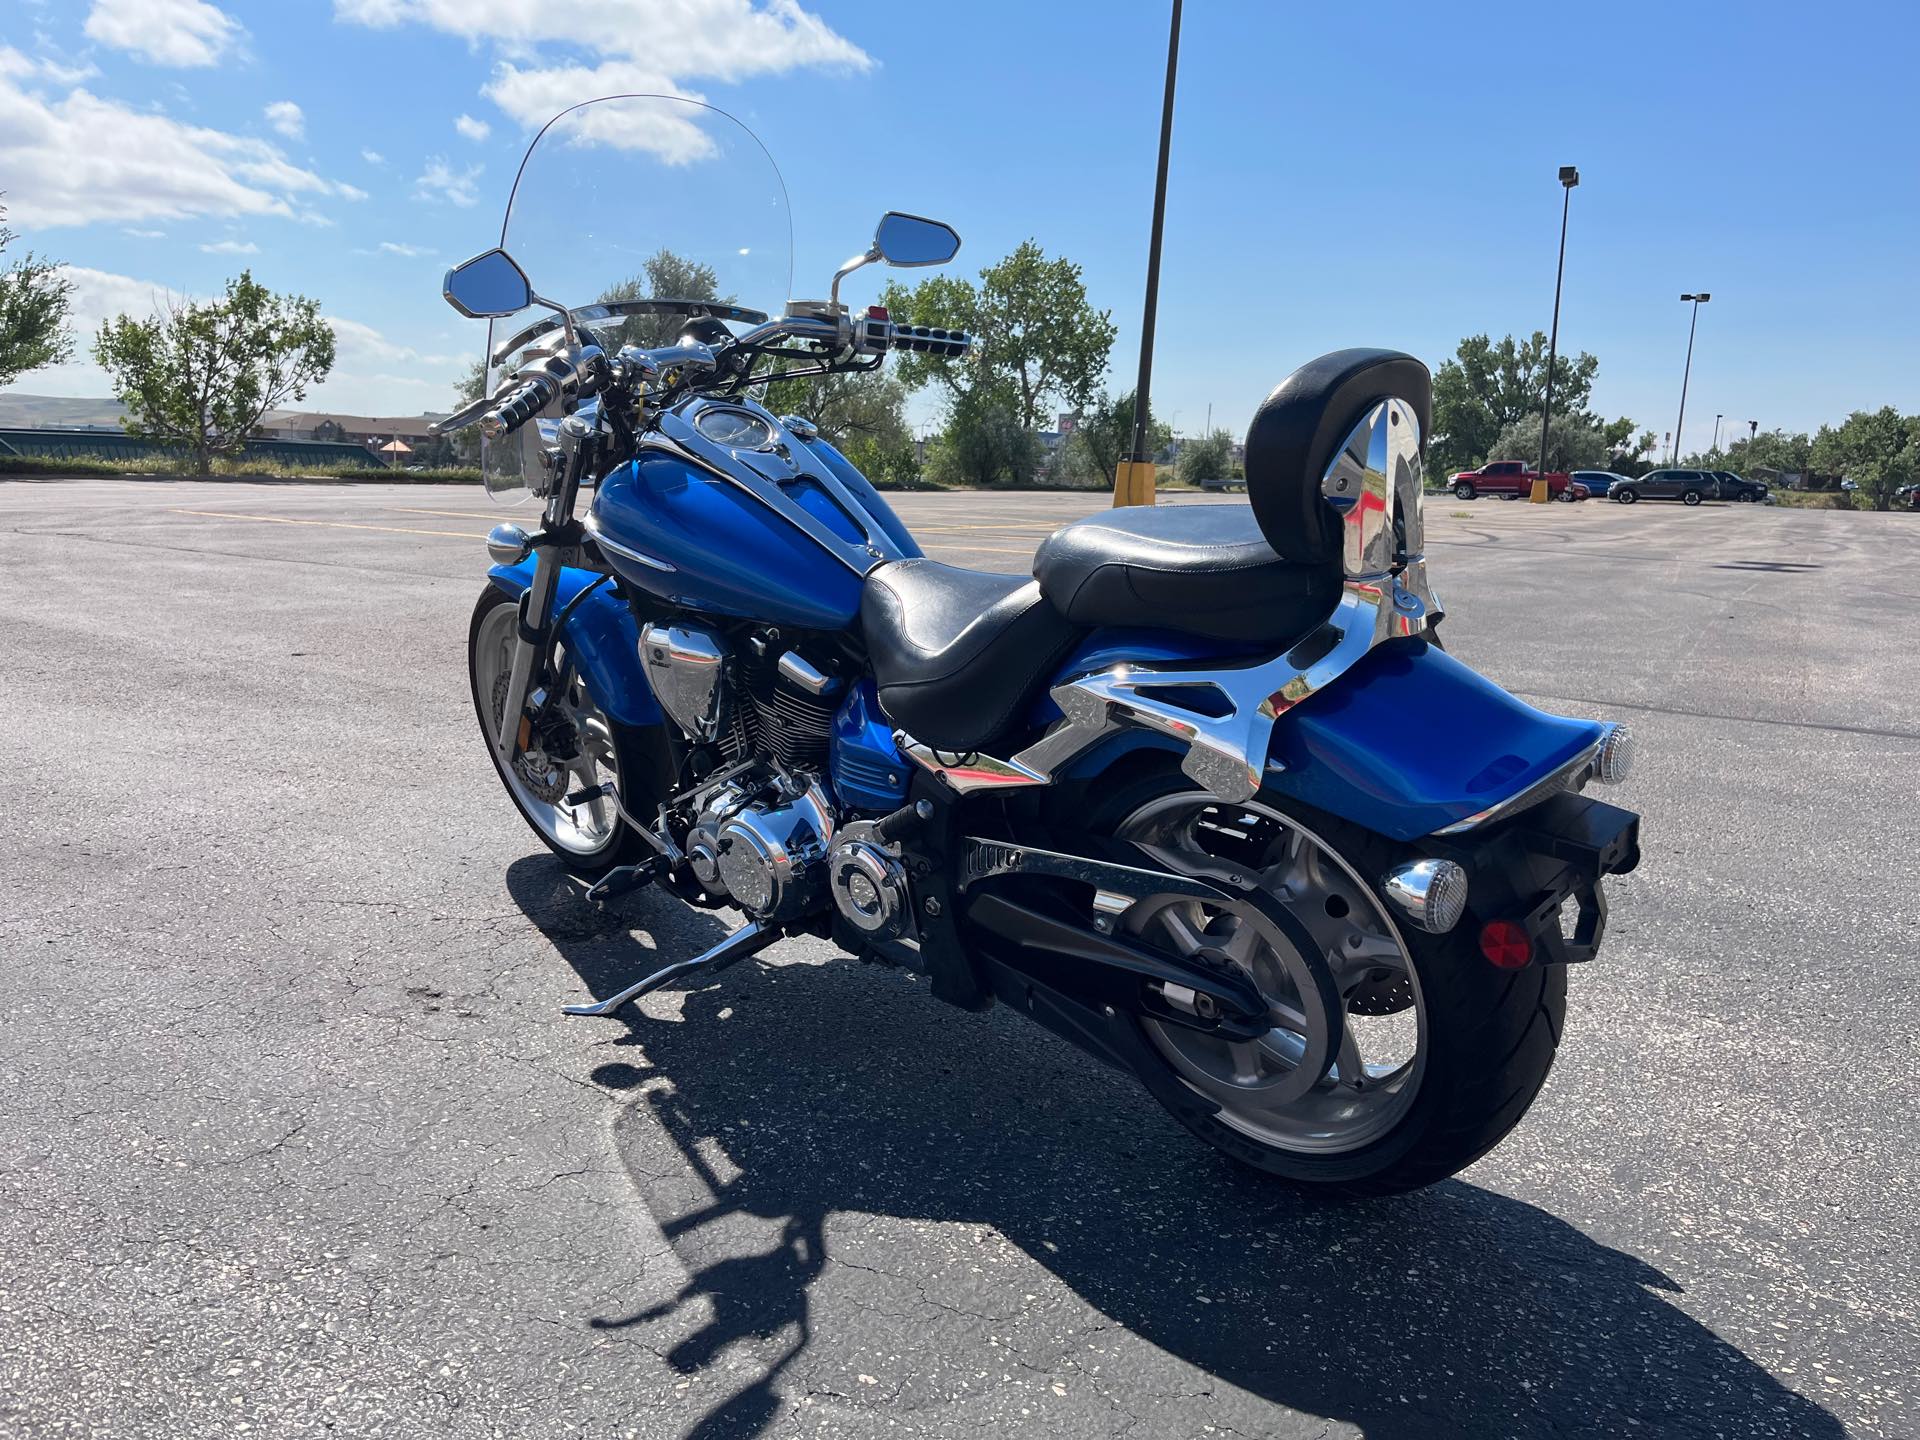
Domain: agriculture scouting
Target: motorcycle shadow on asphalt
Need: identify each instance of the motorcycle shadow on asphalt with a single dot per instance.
(858, 1181)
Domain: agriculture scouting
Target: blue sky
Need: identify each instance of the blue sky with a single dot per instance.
(1382, 176)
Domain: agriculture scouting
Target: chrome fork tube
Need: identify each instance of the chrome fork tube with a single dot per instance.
(577, 445)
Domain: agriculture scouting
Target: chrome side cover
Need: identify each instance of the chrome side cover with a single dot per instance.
(686, 666)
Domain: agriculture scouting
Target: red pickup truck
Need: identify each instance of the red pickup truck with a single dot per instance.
(1513, 478)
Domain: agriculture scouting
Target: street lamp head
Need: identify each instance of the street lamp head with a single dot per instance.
(1569, 176)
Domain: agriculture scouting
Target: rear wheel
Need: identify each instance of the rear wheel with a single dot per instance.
(1692, 497)
(1438, 1056)
(1463, 491)
(587, 749)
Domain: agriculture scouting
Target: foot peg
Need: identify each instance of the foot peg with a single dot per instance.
(750, 939)
(623, 880)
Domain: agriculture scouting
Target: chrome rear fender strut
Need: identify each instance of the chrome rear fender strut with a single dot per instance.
(1228, 740)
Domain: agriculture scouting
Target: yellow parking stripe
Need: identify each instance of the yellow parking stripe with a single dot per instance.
(327, 524)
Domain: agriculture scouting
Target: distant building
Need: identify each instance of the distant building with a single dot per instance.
(372, 433)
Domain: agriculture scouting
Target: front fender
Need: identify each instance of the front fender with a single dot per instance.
(602, 638)
(1410, 740)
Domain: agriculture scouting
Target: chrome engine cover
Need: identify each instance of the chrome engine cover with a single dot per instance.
(686, 666)
(869, 883)
(769, 855)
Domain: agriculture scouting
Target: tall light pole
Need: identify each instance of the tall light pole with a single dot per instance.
(1133, 482)
(1687, 374)
(1753, 431)
(1718, 417)
(1569, 177)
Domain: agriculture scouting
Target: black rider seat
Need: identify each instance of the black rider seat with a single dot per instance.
(1203, 570)
(958, 654)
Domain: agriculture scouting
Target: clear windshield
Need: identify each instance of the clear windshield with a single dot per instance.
(634, 197)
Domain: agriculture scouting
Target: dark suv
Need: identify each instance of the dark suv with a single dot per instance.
(1738, 487)
(1689, 487)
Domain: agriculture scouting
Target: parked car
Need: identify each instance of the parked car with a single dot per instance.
(1689, 487)
(1907, 495)
(1738, 487)
(1512, 479)
(1598, 482)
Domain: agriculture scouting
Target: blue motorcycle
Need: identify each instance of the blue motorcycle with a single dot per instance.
(1180, 795)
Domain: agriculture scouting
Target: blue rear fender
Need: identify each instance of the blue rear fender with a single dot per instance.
(1406, 742)
(1410, 740)
(602, 638)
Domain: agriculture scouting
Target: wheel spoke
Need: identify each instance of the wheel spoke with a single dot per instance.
(1246, 1061)
(1352, 1069)
(1181, 930)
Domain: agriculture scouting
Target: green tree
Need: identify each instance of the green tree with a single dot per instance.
(663, 276)
(1777, 450)
(984, 444)
(1487, 386)
(1208, 458)
(1104, 433)
(203, 375)
(34, 300)
(1573, 443)
(1877, 449)
(1036, 337)
(465, 442)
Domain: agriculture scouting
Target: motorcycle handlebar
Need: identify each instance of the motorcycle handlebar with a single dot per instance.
(519, 407)
(931, 340)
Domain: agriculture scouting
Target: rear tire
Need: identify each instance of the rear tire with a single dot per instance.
(1487, 1040)
(1692, 497)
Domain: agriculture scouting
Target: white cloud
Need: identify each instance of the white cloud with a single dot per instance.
(82, 158)
(27, 67)
(231, 247)
(439, 181)
(410, 252)
(181, 33)
(373, 157)
(285, 116)
(97, 297)
(145, 234)
(642, 46)
(474, 130)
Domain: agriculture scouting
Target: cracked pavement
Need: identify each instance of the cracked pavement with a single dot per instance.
(295, 1141)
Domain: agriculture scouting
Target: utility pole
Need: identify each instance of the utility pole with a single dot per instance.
(1569, 177)
(1133, 485)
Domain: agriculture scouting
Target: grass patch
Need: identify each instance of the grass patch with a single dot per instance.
(238, 469)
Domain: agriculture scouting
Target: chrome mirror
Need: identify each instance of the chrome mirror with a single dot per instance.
(911, 240)
(1374, 481)
(488, 286)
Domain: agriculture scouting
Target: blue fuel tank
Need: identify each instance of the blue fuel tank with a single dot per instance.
(782, 531)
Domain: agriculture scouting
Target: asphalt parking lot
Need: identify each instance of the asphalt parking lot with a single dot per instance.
(297, 1142)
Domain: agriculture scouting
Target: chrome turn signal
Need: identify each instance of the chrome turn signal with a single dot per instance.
(1430, 893)
(1615, 761)
(508, 544)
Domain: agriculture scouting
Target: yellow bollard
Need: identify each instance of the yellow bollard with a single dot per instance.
(1133, 483)
(1540, 495)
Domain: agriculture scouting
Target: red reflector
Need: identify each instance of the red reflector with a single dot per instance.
(876, 312)
(1505, 943)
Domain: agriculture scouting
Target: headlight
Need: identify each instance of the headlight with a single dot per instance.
(1615, 761)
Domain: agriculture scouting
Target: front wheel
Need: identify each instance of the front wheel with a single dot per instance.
(1439, 1056)
(583, 748)
(1566, 497)
(1626, 497)
(1463, 491)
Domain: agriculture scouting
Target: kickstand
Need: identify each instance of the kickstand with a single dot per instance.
(748, 940)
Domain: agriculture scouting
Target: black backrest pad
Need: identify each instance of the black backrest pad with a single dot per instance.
(1302, 424)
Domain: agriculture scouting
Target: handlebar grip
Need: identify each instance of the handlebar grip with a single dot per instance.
(519, 407)
(931, 340)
